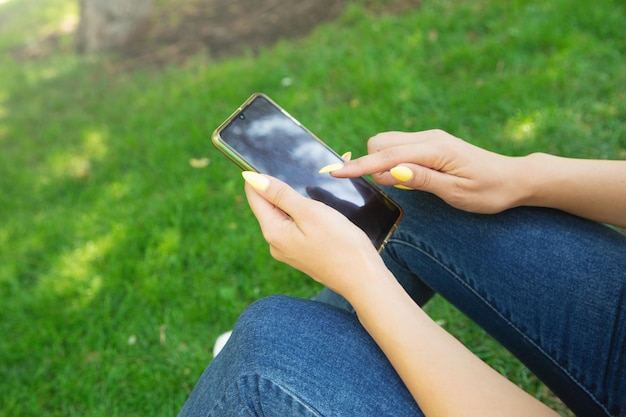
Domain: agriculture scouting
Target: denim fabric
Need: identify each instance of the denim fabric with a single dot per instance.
(549, 286)
(293, 357)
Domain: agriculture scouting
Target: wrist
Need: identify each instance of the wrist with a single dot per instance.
(549, 181)
(368, 282)
(531, 179)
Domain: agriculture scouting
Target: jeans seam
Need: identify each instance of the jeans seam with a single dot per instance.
(456, 276)
(258, 379)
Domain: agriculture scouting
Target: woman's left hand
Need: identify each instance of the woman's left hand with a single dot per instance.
(311, 236)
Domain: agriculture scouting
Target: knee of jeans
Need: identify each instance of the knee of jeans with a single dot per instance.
(263, 319)
(265, 310)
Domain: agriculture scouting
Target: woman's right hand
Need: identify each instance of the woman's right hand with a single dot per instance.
(465, 176)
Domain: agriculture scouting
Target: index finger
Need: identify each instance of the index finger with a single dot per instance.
(381, 162)
(387, 150)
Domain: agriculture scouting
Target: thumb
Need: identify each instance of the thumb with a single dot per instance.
(276, 196)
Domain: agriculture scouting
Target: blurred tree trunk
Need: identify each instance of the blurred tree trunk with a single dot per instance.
(111, 24)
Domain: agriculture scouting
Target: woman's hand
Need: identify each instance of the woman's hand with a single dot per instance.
(464, 175)
(473, 179)
(311, 236)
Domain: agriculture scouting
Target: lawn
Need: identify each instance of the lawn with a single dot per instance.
(126, 244)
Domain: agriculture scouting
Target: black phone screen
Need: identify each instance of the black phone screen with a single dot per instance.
(272, 142)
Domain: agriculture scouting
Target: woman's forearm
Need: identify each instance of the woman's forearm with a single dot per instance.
(444, 377)
(594, 189)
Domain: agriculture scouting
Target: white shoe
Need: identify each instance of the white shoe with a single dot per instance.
(220, 342)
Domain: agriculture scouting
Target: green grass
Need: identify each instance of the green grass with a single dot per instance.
(120, 263)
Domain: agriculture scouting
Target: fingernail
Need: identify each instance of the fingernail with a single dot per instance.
(401, 173)
(330, 168)
(346, 156)
(257, 181)
(403, 187)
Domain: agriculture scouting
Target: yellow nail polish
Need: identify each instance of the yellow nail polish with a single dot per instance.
(346, 156)
(403, 187)
(256, 180)
(330, 168)
(401, 173)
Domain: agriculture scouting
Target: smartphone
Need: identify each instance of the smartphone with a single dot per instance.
(260, 136)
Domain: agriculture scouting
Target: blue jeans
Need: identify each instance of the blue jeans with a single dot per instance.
(549, 286)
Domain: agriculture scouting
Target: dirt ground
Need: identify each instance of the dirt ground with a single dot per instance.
(217, 28)
(221, 28)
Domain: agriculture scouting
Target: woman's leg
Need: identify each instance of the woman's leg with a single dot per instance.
(549, 286)
(291, 357)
